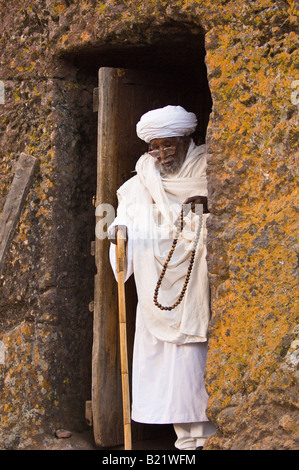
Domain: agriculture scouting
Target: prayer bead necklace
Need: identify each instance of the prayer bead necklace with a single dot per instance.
(191, 262)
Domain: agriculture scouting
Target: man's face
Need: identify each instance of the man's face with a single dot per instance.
(169, 153)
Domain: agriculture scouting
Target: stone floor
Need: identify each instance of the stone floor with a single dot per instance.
(85, 441)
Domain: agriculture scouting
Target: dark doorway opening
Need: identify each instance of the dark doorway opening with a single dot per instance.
(174, 48)
(179, 52)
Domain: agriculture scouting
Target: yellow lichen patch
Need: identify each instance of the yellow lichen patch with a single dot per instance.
(59, 7)
(26, 383)
(85, 36)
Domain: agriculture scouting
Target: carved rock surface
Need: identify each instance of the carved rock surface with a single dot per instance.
(50, 52)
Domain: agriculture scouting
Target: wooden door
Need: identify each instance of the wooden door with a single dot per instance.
(124, 95)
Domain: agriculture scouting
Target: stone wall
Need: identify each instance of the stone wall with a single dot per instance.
(48, 72)
(47, 282)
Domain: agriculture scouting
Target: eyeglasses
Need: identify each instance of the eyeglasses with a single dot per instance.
(166, 150)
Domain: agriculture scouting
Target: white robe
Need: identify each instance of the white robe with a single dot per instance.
(170, 346)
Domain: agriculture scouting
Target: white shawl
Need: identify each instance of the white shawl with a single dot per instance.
(148, 206)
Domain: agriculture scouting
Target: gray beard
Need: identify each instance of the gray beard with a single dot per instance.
(165, 171)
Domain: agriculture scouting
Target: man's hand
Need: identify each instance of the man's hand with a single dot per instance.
(124, 229)
(198, 200)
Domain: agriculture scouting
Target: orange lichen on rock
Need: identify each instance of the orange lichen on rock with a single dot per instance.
(252, 60)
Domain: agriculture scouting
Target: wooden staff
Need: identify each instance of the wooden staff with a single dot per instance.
(120, 250)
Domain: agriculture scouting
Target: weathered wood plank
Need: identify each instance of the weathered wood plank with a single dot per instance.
(15, 200)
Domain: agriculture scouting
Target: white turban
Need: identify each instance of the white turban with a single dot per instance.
(170, 121)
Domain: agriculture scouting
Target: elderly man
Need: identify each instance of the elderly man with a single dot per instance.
(163, 208)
